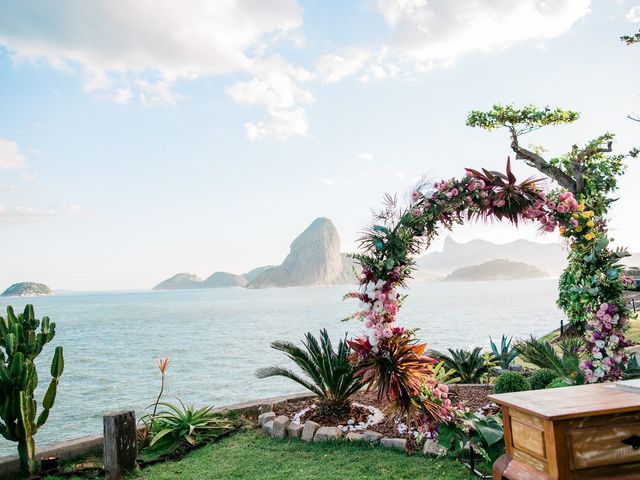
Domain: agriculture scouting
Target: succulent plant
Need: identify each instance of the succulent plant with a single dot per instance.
(20, 343)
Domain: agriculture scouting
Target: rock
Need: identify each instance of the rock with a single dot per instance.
(267, 427)
(314, 260)
(371, 437)
(327, 434)
(27, 289)
(280, 425)
(294, 430)
(397, 443)
(516, 368)
(432, 448)
(309, 430)
(266, 417)
(354, 437)
(267, 407)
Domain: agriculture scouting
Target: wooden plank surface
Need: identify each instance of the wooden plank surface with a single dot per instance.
(571, 402)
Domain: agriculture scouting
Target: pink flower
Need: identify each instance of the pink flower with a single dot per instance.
(415, 196)
(453, 193)
(574, 222)
(551, 204)
(563, 208)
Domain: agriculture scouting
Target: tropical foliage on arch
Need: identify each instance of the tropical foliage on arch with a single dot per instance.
(390, 357)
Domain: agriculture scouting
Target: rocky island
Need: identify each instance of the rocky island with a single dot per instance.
(27, 289)
(496, 270)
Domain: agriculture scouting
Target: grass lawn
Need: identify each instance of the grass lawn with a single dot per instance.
(251, 455)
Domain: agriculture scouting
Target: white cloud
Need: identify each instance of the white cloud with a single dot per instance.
(634, 14)
(10, 155)
(366, 156)
(334, 67)
(428, 34)
(140, 49)
(328, 181)
(276, 86)
(30, 214)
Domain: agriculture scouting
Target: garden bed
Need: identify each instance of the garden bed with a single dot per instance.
(473, 396)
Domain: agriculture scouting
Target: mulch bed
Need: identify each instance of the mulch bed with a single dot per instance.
(472, 396)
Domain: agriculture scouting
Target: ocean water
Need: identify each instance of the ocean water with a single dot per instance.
(217, 338)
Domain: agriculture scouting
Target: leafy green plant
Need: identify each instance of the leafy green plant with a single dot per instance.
(565, 363)
(443, 376)
(511, 382)
(178, 424)
(505, 355)
(331, 376)
(486, 434)
(20, 344)
(469, 365)
(541, 379)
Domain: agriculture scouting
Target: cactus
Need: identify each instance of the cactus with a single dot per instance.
(20, 344)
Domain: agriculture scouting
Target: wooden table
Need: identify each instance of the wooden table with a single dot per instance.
(583, 432)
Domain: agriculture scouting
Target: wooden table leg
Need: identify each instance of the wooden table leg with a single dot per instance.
(499, 466)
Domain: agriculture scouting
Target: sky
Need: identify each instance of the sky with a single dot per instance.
(141, 139)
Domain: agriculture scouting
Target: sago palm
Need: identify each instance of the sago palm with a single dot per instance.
(329, 374)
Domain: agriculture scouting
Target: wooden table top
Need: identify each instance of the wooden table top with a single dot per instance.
(572, 402)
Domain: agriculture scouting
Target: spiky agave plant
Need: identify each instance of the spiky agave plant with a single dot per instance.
(329, 373)
(504, 355)
(470, 366)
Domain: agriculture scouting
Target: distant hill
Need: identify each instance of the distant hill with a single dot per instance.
(496, 270)
(224, 279)
(26, 289)
(314, 260)
(180, 281)
(255, 273)
(632, 261)
(548, 257)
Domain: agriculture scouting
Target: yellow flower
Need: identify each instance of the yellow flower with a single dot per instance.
(589, 236)
(562, 230)
(581, 207)
(575, 215)
(590, 223)
(579, 228)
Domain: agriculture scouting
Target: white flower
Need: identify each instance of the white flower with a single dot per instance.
(614, 339)
(600, 343)
(615, 318)
(378, 306)
(597, 355)
(598, 372)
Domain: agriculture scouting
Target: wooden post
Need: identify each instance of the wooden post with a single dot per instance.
(120, 443)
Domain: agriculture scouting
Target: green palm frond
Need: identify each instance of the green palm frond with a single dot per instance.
(327, 370)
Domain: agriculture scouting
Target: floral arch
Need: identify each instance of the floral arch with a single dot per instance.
(389, 356)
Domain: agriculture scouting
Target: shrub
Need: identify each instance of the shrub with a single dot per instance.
(511, 382)
(330, 374)
(505, 355)
(542, 378)
(470, 366)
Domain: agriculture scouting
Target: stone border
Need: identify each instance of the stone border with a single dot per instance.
(70, 449)
(281, 427)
